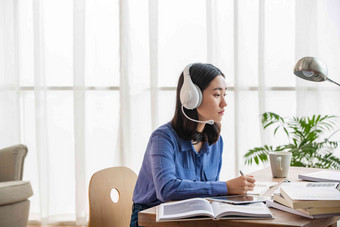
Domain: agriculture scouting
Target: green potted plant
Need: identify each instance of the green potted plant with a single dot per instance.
(306, 141)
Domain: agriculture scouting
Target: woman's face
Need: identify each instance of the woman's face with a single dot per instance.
(213, 103)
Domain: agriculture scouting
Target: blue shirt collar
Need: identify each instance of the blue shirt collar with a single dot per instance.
(187, 145)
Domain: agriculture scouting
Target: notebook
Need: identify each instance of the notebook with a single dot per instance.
(261, 187)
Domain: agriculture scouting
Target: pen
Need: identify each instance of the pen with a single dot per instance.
(241, 172)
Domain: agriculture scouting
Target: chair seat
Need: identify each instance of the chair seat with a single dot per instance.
(14, 191)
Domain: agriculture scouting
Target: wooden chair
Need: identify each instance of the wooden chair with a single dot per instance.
(103, 211)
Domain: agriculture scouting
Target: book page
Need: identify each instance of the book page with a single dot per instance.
(184, 209)
(257, 210)
(261, 188)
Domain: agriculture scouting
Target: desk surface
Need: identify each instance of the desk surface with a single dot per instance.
(148, 217)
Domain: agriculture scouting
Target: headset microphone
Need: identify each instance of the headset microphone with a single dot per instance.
(210, 122)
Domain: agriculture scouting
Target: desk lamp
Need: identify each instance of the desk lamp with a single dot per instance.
(312, 69)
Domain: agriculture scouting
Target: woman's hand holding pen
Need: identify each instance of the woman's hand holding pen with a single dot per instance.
(240, 185)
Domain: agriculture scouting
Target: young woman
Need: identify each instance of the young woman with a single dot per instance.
(183, 158)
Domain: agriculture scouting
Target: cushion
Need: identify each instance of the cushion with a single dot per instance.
(14, 191)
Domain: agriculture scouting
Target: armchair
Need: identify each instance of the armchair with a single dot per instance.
(14, 193)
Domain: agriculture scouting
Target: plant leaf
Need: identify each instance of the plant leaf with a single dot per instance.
(306, 140)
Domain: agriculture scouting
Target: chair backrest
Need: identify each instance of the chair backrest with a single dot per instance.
(103, 211)
(12, 162)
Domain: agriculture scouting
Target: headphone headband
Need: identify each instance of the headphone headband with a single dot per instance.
(186, 70)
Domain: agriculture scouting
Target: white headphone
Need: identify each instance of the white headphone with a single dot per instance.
(191, 95)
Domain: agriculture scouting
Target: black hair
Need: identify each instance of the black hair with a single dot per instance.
(201, 75)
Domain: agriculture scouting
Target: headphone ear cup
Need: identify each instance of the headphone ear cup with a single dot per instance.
(191, 95)
(199, 101)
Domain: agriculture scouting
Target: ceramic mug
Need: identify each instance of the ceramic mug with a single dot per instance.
(279, 163)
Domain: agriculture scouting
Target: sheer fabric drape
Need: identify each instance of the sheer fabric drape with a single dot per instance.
(84, 83)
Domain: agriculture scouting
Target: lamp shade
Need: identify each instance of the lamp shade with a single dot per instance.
(312, 69)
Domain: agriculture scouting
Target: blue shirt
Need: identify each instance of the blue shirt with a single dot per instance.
(173, 170)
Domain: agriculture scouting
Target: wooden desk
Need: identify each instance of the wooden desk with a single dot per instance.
(148, 217)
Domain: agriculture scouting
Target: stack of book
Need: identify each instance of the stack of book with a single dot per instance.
(308, 199)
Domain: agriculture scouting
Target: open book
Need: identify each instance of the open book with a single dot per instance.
(202, 208)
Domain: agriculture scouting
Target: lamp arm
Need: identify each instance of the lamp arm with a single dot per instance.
(333, 81)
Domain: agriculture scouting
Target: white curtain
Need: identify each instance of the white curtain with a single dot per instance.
(84, 83)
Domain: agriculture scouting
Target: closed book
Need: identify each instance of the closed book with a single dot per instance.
(277, 197)
(321, 176)
(279, 206)
(311, 194)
